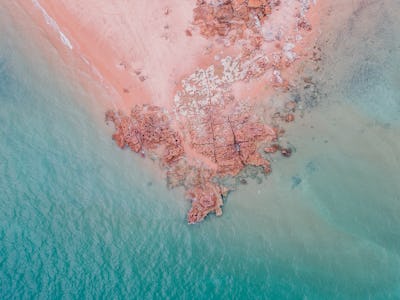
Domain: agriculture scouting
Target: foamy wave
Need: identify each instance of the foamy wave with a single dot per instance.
(53, 24)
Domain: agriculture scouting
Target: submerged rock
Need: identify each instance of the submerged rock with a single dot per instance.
(296, 180)
(286, 152)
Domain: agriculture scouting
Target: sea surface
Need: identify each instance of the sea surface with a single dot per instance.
(79, 218)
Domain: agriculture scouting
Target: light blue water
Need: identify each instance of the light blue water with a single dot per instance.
(81, 219)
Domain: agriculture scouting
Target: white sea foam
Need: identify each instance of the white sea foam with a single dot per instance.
(53, 24)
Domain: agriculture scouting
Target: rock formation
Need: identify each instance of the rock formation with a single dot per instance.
(210, 133)
(225, 17)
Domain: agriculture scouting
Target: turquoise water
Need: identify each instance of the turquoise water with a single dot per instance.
(81, 219)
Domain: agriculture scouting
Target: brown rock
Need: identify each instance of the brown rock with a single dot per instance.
(224, 13)
(291, 105)
(237, 3)
(289, 118)
(242, 12)
(255, 3)
(205, 200)
(229, 17)
(267, 10)
(272, 149)
(286, 152)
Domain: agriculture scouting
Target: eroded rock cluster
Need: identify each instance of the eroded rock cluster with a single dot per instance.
(224, 145)
(221, 17)
(210, 134)
(147, 128)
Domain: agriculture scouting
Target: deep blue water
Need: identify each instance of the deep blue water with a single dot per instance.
(80, 218)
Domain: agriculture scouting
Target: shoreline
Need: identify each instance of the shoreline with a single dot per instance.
(80, 70)
(126, 82)
(191, 75)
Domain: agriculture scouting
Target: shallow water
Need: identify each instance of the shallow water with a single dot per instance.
(80, 218)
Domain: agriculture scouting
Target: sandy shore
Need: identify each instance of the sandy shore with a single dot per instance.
(138, 50)
(203, 67)
(141, 51)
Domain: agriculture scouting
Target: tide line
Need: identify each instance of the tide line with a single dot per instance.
(53, 24)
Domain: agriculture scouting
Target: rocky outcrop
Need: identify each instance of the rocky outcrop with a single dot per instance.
(231, 17)
(224, 145)
(147, 129)
(209, 133)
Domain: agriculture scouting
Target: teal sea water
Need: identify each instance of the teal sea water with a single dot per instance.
(81, 219)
